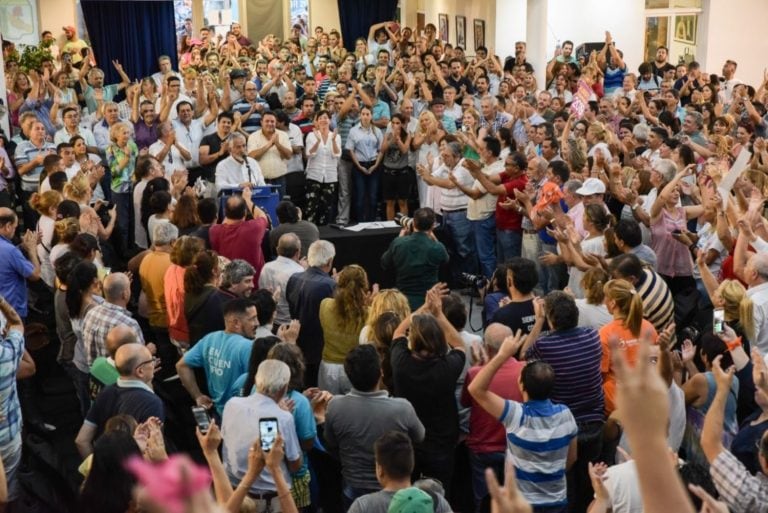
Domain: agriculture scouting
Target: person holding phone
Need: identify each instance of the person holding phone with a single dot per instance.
(259, 416)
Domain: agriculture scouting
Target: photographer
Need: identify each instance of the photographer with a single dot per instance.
(415, 257)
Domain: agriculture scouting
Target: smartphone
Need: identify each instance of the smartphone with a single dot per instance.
(267, 433)
(201, 418)
(718, 321)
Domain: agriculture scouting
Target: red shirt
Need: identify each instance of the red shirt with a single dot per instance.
(510, 219)
(486, 433)
(241, 240)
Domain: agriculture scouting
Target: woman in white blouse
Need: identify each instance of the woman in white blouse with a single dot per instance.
(323, 152)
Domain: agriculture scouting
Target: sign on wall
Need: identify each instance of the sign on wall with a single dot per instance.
(18, 21)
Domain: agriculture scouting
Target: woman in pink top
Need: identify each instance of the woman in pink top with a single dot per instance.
(184, 251)
(669, 237)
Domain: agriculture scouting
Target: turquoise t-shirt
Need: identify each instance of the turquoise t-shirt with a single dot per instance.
(224, 357)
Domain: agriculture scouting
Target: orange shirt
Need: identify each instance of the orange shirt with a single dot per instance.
(629, 343)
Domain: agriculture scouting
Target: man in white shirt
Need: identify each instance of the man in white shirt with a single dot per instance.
(190, 129)
(240, 427)
(71, 117)
(272, 149)
(238, 170)
(728, 81)
(166, 70)
(168, 151)
(275, 274)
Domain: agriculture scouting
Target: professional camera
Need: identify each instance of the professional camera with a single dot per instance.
(404, 221)
(478, 281)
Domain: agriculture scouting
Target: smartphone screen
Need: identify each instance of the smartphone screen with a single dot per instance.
(718, 320)
(267, 433)
(201, 418)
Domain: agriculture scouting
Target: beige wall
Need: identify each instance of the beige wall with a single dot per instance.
(324, 13)
(55, 14)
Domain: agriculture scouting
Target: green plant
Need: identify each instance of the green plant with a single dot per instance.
(33, 56)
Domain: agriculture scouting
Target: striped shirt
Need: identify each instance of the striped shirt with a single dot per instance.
(97, 323)
(538, 436)
(26, 152)
(575, 356)
(11, 351)
(658, 305)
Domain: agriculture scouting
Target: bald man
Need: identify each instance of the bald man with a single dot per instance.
(103, 370)
(113, 312)
(487, 439)
(15, 268)
(131, 395)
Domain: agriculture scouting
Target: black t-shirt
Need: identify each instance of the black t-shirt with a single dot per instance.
(659, 72)
(517, 315)
(138, 402)
(430, 386)
(214, 145)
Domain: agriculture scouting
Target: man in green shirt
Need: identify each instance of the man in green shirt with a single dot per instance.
(416, 258)
(103, 370)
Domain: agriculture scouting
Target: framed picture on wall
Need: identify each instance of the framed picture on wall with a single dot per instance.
(685, 29)
(442, 27)
(461, 31)
(479, 34)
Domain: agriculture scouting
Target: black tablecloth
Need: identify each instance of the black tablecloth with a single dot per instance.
(363, 248)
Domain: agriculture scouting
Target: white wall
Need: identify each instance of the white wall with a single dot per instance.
(585, 21)
(737, 33)
(471, 9)
(510, 26)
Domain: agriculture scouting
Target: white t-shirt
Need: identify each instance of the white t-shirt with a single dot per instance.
(594, 245)
(624, 488)
(593, 316)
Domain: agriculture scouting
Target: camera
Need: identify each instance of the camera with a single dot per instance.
(477, 281)
(404, 221)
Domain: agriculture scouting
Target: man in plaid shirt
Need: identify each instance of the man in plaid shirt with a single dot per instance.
(113, 312)
(740, 490)
(11, 353)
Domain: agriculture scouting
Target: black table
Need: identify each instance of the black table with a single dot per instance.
(363, 248)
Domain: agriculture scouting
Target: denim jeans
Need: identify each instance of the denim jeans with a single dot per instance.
(278, 181)
(510, 244)
(366, 193)
(345, 190)
(479, 461)
(485, 241)
(549, 277)
(81, 380)
(11, 456)
(462, 246)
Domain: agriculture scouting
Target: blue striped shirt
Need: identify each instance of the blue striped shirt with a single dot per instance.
(11, 351)
(575, 356)
(538, 436)
(26, 152)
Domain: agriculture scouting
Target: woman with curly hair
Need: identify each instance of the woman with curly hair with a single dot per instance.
(183, 254)
(387, 300)
(341, 318)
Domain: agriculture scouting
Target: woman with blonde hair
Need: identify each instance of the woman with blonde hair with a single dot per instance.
(426, 142)
(45, 204)
(341, 318)
(626, 306)
(731, 296)
(592, 310)
(387, 300)
(79, 190)
(122, 153)
(64, 232)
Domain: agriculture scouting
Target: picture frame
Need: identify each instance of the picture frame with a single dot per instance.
(479, 34)
(686, 28)
(442, 27)
(461, 31)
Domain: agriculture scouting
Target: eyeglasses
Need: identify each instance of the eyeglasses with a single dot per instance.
(154, 361)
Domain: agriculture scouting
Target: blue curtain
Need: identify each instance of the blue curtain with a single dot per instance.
(357, 16)
(135, 33)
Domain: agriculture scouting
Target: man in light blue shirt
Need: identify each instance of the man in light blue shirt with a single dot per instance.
(223, 355)
(240, 428)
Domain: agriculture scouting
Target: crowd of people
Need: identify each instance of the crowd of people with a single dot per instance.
(609, 221)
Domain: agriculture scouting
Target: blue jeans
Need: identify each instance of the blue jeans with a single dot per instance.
(485, 242)
(549, 279)
(278, 181)
(510, 244)
(479, 461)
(11, 456)
(366, 191)
(462, 248)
